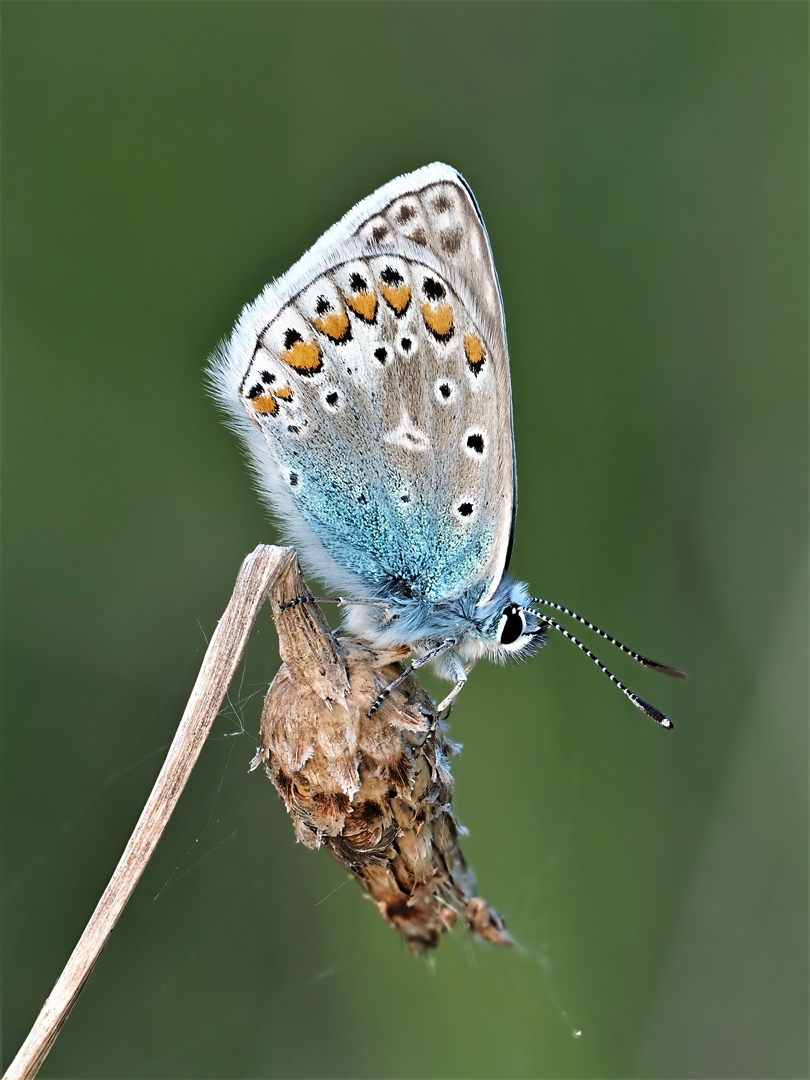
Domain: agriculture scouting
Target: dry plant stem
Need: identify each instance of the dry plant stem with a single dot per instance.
(260, 571)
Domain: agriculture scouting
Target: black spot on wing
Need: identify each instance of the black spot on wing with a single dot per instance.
(391, 276)
(433, 289)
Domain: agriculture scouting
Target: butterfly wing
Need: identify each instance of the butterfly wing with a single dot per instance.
(371, 385)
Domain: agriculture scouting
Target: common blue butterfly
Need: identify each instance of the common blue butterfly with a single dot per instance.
(370, 384)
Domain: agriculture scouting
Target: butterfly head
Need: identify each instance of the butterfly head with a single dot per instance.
(511, 629)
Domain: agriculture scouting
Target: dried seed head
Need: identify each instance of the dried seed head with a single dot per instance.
(376, 790)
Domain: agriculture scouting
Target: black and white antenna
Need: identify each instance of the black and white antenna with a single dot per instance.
(653, 665)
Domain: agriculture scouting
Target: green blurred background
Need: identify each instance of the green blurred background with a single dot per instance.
(642, 169)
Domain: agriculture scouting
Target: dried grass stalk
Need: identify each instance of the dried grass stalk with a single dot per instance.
(259, 575)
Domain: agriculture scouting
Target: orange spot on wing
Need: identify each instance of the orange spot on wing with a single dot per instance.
(364, 304)
(266, 405)
(398, 298)
(474, 351)
(285, 393)
(303, 357)
(334, 326)
(439, 320)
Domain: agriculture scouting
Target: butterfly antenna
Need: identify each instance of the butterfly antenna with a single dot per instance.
(653, 665)
(640, 703)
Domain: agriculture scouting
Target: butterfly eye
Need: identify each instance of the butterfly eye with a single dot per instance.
(512, 625)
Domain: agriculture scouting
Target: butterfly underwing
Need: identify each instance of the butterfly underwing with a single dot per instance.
(370, 385)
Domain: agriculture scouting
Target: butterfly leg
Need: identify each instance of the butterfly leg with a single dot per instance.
(420, 661)
(329, 600)
(459, 673)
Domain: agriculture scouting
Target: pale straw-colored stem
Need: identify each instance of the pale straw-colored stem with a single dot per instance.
(260, 572)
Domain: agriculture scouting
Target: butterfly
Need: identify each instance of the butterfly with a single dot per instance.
(370, 385)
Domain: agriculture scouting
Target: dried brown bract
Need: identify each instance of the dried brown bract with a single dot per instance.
(376, 790)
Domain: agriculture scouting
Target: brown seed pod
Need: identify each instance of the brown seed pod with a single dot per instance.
(376, 790)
